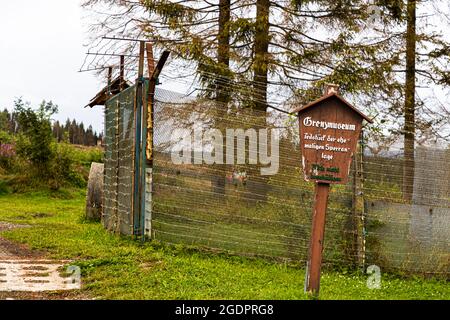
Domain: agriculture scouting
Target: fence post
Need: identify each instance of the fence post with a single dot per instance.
(139, 167)
(312, 281)
(116, 221)
(358, 205)
(143, 184)
(148, 147)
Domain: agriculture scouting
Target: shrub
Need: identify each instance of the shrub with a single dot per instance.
(4, 189)
(35, 138)
(7, 150)
(86, 155)
(7, 155)
(63, 166)
(33, 159)
(6, 138)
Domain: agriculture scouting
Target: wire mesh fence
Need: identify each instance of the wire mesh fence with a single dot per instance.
(119, 162)
(193, 199)
(410, 236)
(233, 207)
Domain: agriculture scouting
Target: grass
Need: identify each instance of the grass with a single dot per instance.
(115, 267)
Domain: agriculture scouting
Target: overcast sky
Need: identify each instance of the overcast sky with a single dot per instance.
(41, 51)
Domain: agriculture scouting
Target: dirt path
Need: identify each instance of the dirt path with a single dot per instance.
(4, 254)
(27, 274)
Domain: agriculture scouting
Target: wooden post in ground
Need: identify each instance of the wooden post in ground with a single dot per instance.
(329, 131)
(312, 283)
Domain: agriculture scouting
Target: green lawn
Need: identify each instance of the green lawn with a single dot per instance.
(120, 268)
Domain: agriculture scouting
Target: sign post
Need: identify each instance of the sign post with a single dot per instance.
(329, 131)
(312, 283)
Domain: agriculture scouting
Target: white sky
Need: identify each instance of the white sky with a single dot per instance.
(41, 51)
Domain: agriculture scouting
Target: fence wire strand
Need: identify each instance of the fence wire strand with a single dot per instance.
(233, 208)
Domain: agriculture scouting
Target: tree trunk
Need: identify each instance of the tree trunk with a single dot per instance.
(260, 63)
(409, 111)
(222, 87)
(256, 185)
(223, 50)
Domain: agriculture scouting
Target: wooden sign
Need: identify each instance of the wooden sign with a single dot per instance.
(329, 131)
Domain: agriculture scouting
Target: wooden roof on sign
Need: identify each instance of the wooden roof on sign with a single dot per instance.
(327, 97)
